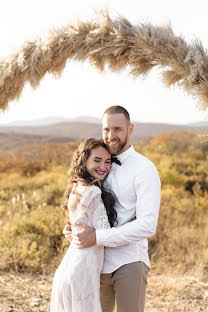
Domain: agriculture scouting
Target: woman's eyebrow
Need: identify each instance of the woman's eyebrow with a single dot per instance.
(96, 157)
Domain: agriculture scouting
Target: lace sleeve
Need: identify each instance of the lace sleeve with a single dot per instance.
(94, 207)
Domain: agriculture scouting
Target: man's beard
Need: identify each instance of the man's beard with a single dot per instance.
(116, 150)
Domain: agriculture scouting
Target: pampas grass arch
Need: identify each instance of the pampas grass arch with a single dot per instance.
(112, 42)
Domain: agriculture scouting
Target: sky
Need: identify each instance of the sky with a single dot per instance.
(82, 90)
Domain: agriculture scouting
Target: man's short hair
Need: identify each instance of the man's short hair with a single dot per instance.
(116, 109)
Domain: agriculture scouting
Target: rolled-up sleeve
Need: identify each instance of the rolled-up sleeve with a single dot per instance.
(147, 187)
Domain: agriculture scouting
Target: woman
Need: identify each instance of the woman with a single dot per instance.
(76, 283)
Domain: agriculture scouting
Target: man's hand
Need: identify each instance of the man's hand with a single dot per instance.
(85, 238)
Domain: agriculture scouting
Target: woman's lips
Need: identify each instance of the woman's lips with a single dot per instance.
(100, 172)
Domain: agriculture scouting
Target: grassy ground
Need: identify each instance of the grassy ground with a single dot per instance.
(165, 293)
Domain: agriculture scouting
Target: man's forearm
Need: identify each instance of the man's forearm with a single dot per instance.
(127, 233)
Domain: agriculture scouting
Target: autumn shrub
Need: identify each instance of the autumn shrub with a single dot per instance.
(182, 235)
(32, 241)
(32, 159)
(32, 220)
(181, 241)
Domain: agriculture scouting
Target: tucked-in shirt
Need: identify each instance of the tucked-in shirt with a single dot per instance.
(136, 187)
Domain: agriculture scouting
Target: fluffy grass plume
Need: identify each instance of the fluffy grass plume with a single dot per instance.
(112, 42)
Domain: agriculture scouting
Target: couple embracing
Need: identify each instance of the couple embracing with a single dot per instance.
(113, 206)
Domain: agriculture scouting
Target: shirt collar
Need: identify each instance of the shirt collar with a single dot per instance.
(125, 154)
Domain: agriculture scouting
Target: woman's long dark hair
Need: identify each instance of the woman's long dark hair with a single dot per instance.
(78, 173)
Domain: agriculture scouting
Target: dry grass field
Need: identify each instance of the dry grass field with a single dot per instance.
(165, 293)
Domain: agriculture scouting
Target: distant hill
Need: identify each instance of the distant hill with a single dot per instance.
(12, 140)
(52, 120)
(142, 130)
(65, 129)
(199, 124)
(83, 119)
(78, 129)
(51, 130)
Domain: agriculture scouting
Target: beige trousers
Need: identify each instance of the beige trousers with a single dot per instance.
(125, 288)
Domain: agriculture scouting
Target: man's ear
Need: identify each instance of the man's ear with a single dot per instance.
(131, 129)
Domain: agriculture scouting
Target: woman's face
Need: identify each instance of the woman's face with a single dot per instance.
(99, 163)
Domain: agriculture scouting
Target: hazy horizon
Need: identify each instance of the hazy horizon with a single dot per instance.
(84, 118)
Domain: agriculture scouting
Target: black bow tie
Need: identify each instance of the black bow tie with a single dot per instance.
(115, 160)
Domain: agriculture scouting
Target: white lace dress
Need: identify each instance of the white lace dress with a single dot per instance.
(76, 283)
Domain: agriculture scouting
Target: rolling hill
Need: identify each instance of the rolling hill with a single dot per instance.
(15, 136)
(15, 140)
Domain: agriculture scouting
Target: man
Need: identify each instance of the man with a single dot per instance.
(136, 186)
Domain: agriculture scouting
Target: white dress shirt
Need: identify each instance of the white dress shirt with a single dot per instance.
(136, 186)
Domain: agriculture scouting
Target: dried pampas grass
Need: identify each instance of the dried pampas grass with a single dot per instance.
(115, 43)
